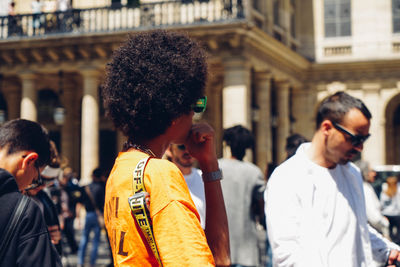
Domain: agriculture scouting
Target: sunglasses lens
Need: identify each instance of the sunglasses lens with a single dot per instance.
(200, 105)
(181, 147)
(358, 140)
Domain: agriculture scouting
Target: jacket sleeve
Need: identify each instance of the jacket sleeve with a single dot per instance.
(34, 246)
(291, 231)
(374, 214)
(380, 246)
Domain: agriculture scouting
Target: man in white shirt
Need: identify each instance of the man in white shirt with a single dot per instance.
(181, 157)
(315, 206)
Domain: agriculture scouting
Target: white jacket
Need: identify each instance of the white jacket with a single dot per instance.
(316, 216)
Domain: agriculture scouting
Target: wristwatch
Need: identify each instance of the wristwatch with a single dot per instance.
(212, 176)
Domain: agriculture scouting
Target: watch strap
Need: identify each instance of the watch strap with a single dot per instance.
(212, 176)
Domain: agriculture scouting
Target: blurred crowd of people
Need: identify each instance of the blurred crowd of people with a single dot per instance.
(63, 201)
(382, 201)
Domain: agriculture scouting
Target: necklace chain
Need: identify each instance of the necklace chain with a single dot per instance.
(143, 149)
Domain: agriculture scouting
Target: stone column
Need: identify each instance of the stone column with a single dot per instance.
(12, 94)
(374, 148)
(262, 81)
(236, 95)
(303, 109)
(29, 97)
(282, 89)
(90, 125)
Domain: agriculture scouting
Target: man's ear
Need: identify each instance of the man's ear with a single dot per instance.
(168, 152)
(326, 127)
(29, 159)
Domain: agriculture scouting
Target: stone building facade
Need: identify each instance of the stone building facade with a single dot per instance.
(270, 62)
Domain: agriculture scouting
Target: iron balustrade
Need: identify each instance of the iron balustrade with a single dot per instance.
(121, 18)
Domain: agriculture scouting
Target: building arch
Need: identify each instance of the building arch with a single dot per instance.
(392, 130)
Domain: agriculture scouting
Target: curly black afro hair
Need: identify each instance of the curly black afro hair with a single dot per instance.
(152, 79)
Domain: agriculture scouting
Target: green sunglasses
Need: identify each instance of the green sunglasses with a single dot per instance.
(200, 105)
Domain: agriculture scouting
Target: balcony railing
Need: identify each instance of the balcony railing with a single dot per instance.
(112, 19)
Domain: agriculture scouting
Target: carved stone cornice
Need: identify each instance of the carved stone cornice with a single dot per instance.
(16, 55)
(354, 71)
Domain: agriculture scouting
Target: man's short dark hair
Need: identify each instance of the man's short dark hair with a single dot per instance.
(293, 142)
(336, 106)
(238, 139)
(152, 79)
(19, 135)
(97, 173)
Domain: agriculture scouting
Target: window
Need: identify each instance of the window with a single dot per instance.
(293, 18)
(396, 15)
(337, 17)
(276, 12)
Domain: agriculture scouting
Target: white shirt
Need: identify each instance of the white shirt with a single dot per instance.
(62, 5)
(36, 7)
(196, 189)
(316, 216)
(390, 205)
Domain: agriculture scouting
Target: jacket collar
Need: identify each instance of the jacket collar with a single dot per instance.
(7, 182)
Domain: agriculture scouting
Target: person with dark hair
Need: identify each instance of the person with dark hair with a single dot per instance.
(154, 84)
(70, 193)
(390, 203)
(293, 142)
(320, 219)
(92, 197)
(241, 182)
(179, 155)
(49, 174)
(24, 153)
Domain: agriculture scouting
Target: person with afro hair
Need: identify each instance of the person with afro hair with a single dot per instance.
(242, 181)
(154, 84)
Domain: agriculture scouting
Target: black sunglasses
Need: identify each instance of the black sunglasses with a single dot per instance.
(200, 105)
(355, 140)
(181, 147)
(38, 182)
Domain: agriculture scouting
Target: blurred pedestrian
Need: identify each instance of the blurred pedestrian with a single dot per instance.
(47, 206)
(390, 201)
(372, 204)
(293, 142)
(315, 206)
(37, 8)
(24, 152)
(70, 193)
(93, 200)
(241, 180)
(182, 158)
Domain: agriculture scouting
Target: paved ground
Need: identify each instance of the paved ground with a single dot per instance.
(103, 258)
